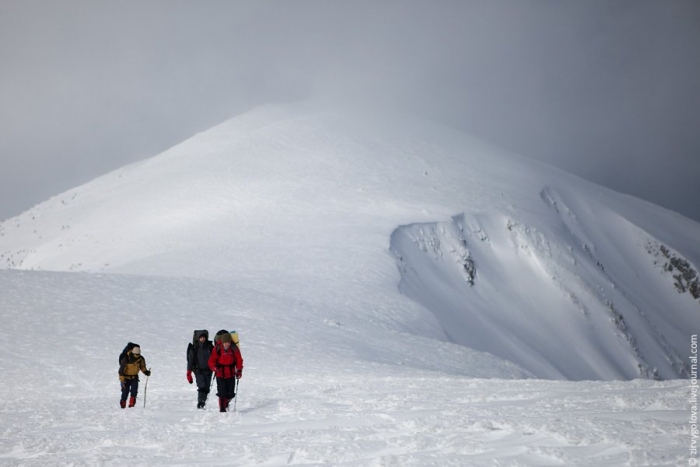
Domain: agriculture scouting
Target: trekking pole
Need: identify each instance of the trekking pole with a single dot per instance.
(235, 399)
(145, 388)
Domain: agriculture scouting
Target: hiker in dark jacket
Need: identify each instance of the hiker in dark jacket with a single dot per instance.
(198, 354)
(130, 363)
(227, 362)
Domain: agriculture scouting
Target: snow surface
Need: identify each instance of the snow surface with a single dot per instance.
(405, 295)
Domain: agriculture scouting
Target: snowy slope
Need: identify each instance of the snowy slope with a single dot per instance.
(373, 219)
(315, 391)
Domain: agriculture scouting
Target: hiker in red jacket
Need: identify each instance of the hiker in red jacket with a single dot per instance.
(226, 361)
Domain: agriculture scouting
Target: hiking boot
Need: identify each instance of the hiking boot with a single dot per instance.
(122, 404)
(222, 404)
(201, 399)
(132, 402)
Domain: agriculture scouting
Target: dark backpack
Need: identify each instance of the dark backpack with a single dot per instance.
(126, 350)
(234, 337)
(218, 335)
(195, 336)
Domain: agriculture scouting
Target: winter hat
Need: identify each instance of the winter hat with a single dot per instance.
(226, 338)
(136, 350)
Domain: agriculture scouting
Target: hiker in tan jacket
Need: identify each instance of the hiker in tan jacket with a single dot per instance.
(130, 363)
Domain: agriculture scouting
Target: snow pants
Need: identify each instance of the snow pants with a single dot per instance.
(226, 388)
(130, 386)
(203, 379)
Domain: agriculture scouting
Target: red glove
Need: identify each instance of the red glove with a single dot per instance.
(189, 376)
(239, 374)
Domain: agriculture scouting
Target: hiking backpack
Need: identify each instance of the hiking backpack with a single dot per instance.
(195, 336)
(234, 337)
(126, 350)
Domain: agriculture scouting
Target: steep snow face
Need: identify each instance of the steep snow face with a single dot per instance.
(498, 253)
(552, 302)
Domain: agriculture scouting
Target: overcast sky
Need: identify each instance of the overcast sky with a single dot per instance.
(606, 89)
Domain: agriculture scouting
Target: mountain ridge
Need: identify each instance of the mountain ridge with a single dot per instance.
(302, 199)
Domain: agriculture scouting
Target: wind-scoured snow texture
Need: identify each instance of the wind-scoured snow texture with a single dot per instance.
(316, 390)
(558, 297)
(498, 253)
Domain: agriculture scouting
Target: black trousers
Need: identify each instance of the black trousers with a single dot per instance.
(226, 387)
(130, 386)
(203, 379)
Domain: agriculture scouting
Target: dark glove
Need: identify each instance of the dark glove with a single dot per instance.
(239, 374)
(189, 376)
(147, 372)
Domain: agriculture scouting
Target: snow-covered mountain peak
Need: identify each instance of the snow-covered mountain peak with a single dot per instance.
(397, 222)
